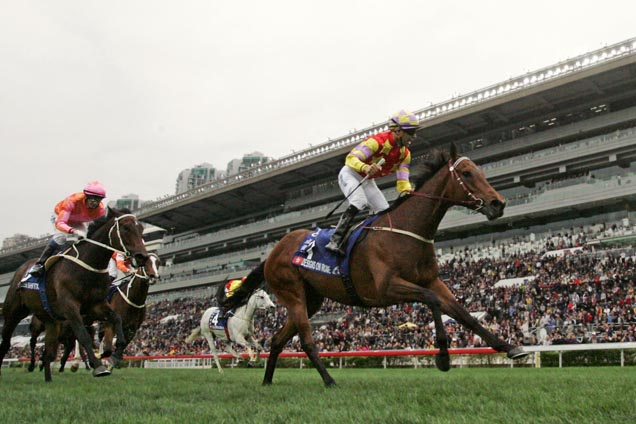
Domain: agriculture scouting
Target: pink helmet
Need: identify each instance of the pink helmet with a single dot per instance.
(95, 188)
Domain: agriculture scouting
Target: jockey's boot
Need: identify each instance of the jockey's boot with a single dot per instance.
(336, 242)
(37, 270)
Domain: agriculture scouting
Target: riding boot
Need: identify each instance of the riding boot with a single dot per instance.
(336, 242)
(37, 270)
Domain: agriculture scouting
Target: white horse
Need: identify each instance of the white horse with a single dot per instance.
(239, 328)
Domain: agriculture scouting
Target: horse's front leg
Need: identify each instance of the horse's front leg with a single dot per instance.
(451, 307)
(82, 335)
(401, 291)
(114, 321)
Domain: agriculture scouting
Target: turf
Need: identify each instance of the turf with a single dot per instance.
(476, 395)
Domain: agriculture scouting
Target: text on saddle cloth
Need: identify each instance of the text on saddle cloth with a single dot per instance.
(313, 256)
(31, 282)
(218, 323)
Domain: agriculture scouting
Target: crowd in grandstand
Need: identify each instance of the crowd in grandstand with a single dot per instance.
(585, 296)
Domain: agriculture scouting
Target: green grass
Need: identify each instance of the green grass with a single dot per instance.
(476, 395)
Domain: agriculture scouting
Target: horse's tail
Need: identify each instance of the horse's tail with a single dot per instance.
(253, 281)
(195, 333)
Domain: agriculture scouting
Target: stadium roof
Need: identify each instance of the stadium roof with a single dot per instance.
(606, 75)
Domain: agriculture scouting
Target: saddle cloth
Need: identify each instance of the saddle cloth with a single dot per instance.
(313, 256)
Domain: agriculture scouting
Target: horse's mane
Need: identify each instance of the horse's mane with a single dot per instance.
(99, 222)
(422, 172)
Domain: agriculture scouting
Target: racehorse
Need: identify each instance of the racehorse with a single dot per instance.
(394, 263)
(129, 301)
(239, 328)
(76, 286)
(66, 338)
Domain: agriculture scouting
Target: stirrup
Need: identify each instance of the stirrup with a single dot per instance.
(334, 247)
(36, 270)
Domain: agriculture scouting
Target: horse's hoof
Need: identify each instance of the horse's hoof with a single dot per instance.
(61, 370)
(74, 367)
(101, 371)
(442, 361)
(517, 353)
(30, 369)
(330, 384)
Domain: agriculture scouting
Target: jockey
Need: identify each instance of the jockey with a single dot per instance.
(362, 161)
(119, 262)
(71, 217)
(228, 291)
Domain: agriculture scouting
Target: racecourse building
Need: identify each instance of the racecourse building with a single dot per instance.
(559, 143)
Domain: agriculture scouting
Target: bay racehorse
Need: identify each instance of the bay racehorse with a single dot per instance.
(129, 301)
(394, 263)
(238, 330)
(76, 286)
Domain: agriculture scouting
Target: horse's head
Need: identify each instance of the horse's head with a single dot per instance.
(150, 270)
(126, 234)
(261, 299)
(471, 188)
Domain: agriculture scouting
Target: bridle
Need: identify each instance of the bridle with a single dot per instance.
(124, 251)
(142, 276)
(475, 203)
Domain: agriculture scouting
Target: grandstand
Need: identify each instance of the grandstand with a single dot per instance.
(559, 143)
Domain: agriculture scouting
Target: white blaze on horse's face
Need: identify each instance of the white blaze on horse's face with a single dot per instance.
(151, 268)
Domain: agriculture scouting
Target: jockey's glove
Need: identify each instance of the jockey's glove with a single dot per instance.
(80, 234)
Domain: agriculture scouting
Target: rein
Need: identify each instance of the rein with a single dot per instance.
(476, 202)
(124, 252)
(126, 296)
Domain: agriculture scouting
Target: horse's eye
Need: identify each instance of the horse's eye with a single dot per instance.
(466, 174)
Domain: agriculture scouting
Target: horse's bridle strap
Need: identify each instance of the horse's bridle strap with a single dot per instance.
(128, 301)
(84, 264)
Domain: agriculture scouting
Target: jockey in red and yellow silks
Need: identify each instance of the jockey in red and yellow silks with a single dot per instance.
(362, 165)
(382, 145)
(71, 216)
(228, 291)
(232, 285)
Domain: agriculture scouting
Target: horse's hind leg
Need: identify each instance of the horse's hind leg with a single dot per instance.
(299, 309)
(11, 320)
(51, 343)
(32, 344)
(451, 307)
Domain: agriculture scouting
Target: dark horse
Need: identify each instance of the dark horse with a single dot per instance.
(129, 301)
(395, 263)
(76, 286)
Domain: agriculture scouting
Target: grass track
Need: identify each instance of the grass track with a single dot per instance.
(477, 395)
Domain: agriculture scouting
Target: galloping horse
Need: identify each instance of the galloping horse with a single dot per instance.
(238, 330)
(394, 263)
(129, 301)
(76, 286)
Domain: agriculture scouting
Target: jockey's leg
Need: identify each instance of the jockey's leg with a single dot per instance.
(37, 269)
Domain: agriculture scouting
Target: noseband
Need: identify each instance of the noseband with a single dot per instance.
(475, 203)
(114, 227)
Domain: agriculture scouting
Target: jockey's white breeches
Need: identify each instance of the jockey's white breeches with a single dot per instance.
(367, 195)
